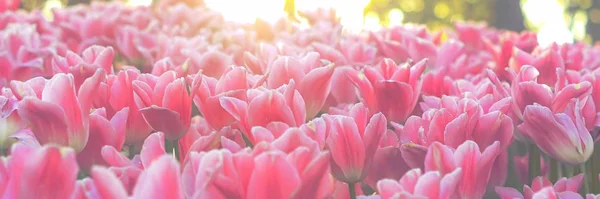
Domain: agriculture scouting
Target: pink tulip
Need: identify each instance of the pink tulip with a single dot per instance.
(9, 5)
(84, 66)
(394, 90)
(212, 174)
(562, 135)
(387, 160)
(436, 83)
(220, 174)
(452, 121)
(167, 105)
(356, 52)
(259, 62)
(102, 132)
(46, 172)
(284, 106)
(119, 95)
(343, 92)
(107, 184)
(546, 61)
(60, 115)
(10, 121)
(313, 79)
(541, 186)
(135, 44)
(25, 53)
(353, 141)
(476, 165)
(166, 64)
(403, 43)
(211, 63)
(317, 130)
(200, 137)
(459, 60)
(415, 184)
(234, 83)
(162, 179)
(526, 90)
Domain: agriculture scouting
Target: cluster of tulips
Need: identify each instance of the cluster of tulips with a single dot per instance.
(174, 101)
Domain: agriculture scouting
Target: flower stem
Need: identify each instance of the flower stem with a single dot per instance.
(247, 141)
(130, 151)
(534, 162)
(352, 190)
(568, 170)
(587, 178)
(554, 170)
(172, 147)
(512, 180)
(595, 169)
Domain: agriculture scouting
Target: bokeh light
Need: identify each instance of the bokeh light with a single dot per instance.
(554, 20)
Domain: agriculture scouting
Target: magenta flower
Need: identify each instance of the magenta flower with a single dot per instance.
(391, 89)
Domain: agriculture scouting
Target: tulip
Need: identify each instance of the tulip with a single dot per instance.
(233, 83)
(546, 61)
(25, 54)
(212, 63)
(526, 90)
(166, 106)
(84, 66)
(452, 121)
(394, 90)
(221, 174)
(387, 160)
(201, 137)
(415, 184)
(120, 94)
(476, 165)
(353, 142)
(10, 121)
(102, 132)
(541, 186)
(562, 135)
(135, 44)
(61, 115)
(162, 179)
(46, 172)
(313, 79)
(284, 106)
(9, 5)
(200, 168)
(402, 43)
(107, 184)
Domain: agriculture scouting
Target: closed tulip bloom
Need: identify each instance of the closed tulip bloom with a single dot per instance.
(46, 172)
(353, 145)
(166, 106)
(416, 184)
(564, 188)
(562, 135)
(162, 179)
(475, 164)
(61, 115)
(391, 89)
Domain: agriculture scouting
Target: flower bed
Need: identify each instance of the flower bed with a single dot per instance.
(174, 101)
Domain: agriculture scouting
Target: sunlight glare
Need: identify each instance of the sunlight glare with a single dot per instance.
(548, 15)
(245, 11)
(350, 12)
(48, 6)
(139, 2)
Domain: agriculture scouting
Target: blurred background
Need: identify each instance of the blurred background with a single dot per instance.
(554, 20)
